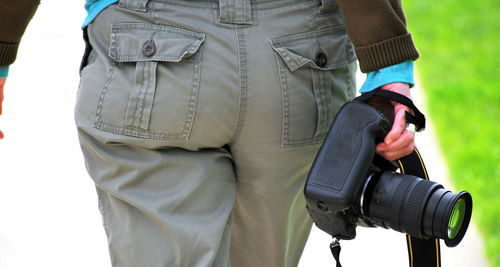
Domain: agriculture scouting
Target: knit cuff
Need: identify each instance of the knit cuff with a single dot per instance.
(386, 53)
(8, 53)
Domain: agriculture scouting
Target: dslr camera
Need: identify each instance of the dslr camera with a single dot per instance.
(349, 185)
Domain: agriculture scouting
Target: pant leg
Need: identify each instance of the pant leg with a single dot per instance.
(152, 126)
(300, 70)
(272, 101)
(163, 207)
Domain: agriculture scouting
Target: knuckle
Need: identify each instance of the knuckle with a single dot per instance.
(390, 157)
(409, 149)
(410, 137)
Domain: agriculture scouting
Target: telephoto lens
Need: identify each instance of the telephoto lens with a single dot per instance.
(416, 206)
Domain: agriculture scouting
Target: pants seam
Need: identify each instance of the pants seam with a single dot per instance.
(103, 93)
(243, 77)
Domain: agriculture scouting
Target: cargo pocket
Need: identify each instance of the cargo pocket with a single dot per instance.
(313, 67)
(152, 87)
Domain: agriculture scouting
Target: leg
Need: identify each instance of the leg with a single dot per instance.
(293, 87)
(151, 130)
(163, 207)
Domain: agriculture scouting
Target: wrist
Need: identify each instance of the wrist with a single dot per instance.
(398, 87)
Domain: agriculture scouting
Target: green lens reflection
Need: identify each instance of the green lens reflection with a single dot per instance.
(456, 219)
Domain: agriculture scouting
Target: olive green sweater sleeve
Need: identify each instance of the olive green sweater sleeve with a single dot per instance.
(378, 31)
(14, 18)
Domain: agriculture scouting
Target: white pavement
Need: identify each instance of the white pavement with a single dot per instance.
(48, 205)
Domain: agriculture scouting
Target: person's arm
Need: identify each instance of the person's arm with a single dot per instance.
(378, 31)
(14, 18)
(398, 78)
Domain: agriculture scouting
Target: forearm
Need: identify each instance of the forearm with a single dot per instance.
(14, 18)
(378, 31)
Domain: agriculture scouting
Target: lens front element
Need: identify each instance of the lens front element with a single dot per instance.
(456, 219)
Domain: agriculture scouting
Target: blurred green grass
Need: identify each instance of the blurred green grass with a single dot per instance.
(459, 42)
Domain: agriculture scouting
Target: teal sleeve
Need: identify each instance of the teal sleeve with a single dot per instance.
(94, 7)
(402, 72)
(4, 71)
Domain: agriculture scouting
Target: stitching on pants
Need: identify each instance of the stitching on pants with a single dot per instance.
(286, 116)
(321, 101)
(284, 92)
(242, 60)
(102, 208)
(193, 100)
(142, 96)
(98, 118)
(138, 114)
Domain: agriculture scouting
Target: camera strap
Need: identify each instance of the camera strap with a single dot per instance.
(335, 249)
(421, 252)
(418, 118)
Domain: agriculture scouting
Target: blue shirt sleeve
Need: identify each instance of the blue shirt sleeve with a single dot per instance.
(402, 72)
(4, 71)
(94, 7)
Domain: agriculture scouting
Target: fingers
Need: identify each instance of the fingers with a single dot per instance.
(399, 124)
(401, 147)
(398, 142)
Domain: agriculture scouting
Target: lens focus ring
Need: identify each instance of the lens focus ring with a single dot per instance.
(414, 204)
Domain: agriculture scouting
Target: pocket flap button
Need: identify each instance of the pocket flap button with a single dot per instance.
(321, 59)
(149, 48)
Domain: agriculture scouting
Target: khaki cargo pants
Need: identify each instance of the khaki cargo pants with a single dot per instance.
(199, 121)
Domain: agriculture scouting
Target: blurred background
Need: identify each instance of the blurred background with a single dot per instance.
(460, 71)
(48, 204)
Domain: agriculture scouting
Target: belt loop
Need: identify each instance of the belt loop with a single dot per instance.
(235, 11)
(137, 5)
(328, 6)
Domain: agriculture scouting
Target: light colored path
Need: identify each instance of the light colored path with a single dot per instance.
(48, 205)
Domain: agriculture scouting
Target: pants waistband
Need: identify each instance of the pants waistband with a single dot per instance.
(231, 11)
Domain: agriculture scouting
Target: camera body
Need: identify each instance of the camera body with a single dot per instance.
(349, 185)
(334, 187)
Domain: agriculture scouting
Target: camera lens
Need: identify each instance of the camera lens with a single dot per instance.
(418, 207)
(447, 216)
(456, 219)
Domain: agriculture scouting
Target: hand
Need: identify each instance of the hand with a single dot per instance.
(399, 142)
(2, 82)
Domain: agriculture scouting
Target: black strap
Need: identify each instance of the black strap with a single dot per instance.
(418, 119)
(421, 252)
(335, 248)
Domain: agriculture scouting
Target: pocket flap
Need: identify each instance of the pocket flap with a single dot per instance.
(326, 49)
(131, 42)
